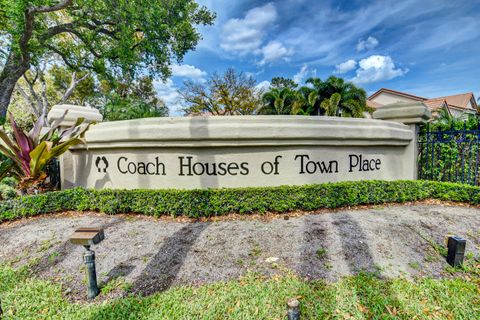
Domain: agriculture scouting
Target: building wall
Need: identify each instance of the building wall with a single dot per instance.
(388, 98)
(461, 113)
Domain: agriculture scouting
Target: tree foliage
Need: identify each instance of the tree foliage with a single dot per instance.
(81, 84)
(332, 97)
(117, 99)
(330, 106)
(278, 101)
(352, 101)
(230, 93)
(104, 36)
(281, 82)
(130, 99)
(43, 86)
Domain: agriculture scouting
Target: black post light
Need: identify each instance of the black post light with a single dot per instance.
(456, 250)
(87, 237)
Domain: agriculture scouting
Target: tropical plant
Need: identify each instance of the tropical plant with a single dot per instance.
(128, 109)
(352, 101)
(445, 120)
(302, 105)
(278, 101)
(330, 106)
(29, 153)
(130, 99)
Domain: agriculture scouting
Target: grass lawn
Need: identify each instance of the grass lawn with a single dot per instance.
(364, 296)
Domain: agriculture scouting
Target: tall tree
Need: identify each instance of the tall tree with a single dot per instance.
(330, 106)
(278, 101)
(231, 93)
(41, 88)
(107, 37)
(352, 99)
(303, 104)
(281, 82)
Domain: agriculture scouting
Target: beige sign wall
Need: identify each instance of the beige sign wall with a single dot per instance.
(241, 151)
(237, 167)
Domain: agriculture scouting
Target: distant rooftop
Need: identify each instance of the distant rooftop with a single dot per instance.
(456, 101)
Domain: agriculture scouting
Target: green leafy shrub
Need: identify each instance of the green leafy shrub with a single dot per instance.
(214, 202)
(7, 192)
(7, 188)
(449, 149)
(9, 181)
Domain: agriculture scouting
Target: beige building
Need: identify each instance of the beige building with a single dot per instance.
(459, 105)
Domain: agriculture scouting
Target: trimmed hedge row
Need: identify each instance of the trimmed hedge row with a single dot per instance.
(212, 202)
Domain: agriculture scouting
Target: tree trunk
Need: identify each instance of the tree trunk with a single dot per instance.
(11, 73)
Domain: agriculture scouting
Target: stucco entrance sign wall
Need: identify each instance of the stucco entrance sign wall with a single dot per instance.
(242, 151)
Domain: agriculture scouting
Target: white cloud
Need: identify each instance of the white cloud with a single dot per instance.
(450, 35)
(377, 68)
(168, 92)
(310, 33)
(243, 36)
(274, 50)
(263, 86)
(303, 73)
(188, 71)
(368, 44)
(346, 66)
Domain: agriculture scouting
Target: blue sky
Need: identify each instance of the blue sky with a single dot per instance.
(425, 47)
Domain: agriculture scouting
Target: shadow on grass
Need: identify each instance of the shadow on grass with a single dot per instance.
(372, 296)
(314, 255)
(119, 271)
(164, 266)
(356, 251)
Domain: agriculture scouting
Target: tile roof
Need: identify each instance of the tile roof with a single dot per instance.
(434, 104)
(456, 101)
(459, 100)
(397, 93)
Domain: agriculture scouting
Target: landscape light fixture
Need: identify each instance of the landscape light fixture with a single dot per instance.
(87, 237)
(456, 251)
(293, 309)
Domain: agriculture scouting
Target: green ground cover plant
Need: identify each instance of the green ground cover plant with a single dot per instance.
(214, 202)
(364, 296)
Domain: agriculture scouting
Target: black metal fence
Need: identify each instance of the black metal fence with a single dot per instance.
(449, 155)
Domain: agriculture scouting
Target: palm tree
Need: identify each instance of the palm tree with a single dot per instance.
(330, 106)
(302, 105)
(445, 119)
(352, 99)
(277, 101)
(316, 94)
